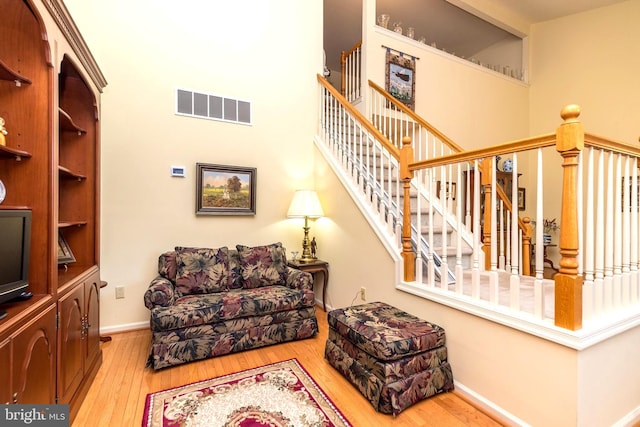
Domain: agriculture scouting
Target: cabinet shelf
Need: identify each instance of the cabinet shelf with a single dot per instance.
(13, 152)
(69, 224)
(67, 124)
(6, 73)
(67, 173)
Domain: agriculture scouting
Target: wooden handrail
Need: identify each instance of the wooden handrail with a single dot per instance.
(542, 141)
(596, 141)
(343, 60)
(350, 51)
(393, 150)
(399, 105)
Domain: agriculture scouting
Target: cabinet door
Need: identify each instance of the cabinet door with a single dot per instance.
(5, 374)
(34, 360)
(71, 344)
(92, 316)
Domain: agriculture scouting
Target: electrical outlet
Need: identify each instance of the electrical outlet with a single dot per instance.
(363, 293)
(119, 292)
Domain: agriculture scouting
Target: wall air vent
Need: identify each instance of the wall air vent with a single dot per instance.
(214, 107)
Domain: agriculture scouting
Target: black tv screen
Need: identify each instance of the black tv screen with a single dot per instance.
(15, 240)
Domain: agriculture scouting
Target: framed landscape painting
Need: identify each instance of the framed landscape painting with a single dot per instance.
(400, 80)
(225, 190)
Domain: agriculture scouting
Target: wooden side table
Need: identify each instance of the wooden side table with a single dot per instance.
(314, 267)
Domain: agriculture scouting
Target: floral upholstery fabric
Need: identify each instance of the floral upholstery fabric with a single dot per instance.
(222, 315)
(393, 358)
(195, 310)
(385, 331)
(262, 265)
(202, 270)
(167, 265)
(161, 292)
(165, 354)
(390, 371)
(393, 397)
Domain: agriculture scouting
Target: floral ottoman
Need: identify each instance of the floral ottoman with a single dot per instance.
(393, 358)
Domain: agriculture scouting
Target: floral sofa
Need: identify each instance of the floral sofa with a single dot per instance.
(208, 302)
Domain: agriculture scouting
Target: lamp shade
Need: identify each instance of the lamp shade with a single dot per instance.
(305, 203)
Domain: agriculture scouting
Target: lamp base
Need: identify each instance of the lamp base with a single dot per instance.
(307, 254)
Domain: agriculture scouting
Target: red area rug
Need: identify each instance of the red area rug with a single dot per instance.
(280, 394)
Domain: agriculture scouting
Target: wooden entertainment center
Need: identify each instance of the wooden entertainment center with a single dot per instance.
(50, 89)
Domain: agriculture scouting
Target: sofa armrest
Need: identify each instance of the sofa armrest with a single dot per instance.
(161, 293)
(298, 279)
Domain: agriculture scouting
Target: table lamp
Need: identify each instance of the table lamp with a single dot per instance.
(305, 204)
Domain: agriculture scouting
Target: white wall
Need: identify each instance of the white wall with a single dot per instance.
(267, 52)
(590, 59)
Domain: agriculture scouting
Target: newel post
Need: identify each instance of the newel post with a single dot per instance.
(486, 174)
(568, 284)
(526, 246)
(406, 156)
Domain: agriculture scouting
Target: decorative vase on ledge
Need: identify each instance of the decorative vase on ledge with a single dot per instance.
(546, 239)
(383, 20)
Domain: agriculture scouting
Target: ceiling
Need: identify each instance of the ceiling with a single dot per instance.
(440, 21)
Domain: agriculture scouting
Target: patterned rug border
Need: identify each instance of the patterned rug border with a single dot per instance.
(149, 401)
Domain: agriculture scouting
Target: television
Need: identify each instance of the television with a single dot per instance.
(15, 243)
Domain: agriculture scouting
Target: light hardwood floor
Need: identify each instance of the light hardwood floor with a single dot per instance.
(117, 396)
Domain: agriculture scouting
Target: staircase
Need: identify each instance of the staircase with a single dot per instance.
(372, 171)
(365, 154)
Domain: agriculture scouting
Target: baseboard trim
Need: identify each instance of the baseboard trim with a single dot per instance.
(491, 409)
(124, 328)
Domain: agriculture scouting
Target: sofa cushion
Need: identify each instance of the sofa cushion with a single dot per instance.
(202, 270)
(167, 265)
(199, 310)
(235, 271)
(262, 265)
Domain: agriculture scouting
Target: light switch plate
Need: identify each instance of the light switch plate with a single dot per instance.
(178, 171)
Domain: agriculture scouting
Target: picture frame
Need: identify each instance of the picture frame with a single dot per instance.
(65, 256)
(450, 190)
(522, 198)
(225, 190)
(400, 78)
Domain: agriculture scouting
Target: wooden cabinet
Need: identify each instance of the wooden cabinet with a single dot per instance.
(50, 100)
(28, 360)
(5, 374)
(79, 335)
(34, 360)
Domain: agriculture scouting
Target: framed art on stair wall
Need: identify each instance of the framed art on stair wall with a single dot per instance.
(400, 78)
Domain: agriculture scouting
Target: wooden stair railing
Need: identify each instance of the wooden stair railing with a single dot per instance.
(576, 270)
(351, 71)
(524, 224)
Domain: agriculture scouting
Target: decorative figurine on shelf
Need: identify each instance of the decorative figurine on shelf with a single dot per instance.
(3, 132)
(314, 246)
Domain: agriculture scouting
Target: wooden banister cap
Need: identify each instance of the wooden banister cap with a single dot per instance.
(570, 113)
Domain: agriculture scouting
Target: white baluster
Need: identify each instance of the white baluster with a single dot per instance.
(635, 282)
(608, 243)
(617, 236)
